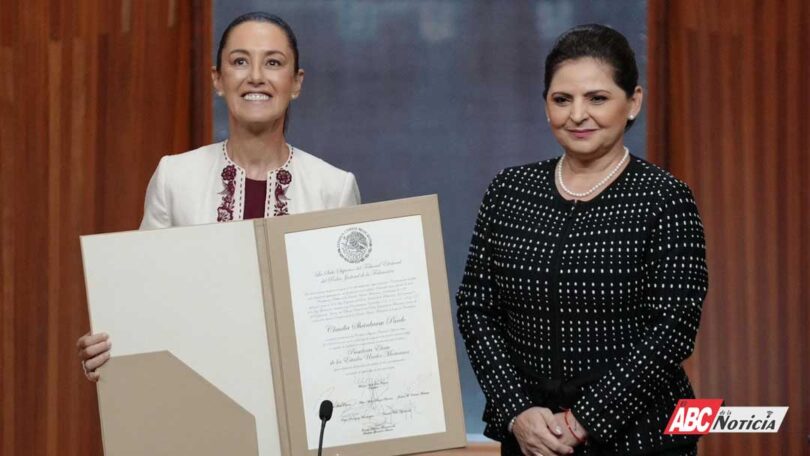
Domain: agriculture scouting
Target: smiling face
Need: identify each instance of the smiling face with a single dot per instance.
(587, 110)
(257, 76)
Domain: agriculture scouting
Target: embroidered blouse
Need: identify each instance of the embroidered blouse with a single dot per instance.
(206, 186)
(278, 180)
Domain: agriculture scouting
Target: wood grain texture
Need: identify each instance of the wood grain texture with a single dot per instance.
(728, 106)
(92, 94)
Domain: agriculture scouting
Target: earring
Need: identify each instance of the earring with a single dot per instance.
(631, 117)
(219, 94)
(548, 119)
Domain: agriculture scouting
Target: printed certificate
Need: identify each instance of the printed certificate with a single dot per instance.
(364, 322)
(362, 312)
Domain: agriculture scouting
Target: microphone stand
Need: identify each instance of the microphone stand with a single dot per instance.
(320, 439)
(325, 414)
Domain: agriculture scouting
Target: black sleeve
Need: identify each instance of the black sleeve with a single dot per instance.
(480, 320)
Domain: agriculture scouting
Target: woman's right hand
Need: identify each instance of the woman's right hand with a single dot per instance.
(538, 433)
(94, 351)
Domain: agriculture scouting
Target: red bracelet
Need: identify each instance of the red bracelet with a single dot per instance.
(579, 439)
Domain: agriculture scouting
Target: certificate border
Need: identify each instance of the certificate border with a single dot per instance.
(272, 336)
(282, 337)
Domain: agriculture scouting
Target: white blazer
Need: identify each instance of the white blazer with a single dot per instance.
(205, 186)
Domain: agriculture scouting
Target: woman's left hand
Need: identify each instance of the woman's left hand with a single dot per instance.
(568, 438)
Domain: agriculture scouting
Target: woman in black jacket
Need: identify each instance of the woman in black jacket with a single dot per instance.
(586, 275)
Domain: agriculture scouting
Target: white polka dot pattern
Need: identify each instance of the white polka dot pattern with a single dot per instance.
(614, 284)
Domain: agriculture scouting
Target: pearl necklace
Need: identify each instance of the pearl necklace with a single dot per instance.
(595, 187)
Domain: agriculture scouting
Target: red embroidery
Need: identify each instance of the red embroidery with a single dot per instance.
(225, 209)
(283, 179)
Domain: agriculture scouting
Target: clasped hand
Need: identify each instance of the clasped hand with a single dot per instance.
(539, 432)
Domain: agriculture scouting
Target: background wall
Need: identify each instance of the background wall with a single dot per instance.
(431, 96)
(729, 114)
(92, 93)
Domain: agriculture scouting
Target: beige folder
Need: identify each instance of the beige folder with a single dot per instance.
(181, 414)
(204, 344)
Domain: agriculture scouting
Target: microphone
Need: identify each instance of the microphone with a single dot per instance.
(325, 413)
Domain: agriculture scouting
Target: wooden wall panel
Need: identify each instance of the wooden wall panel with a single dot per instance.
(92, 93)
(728, 106)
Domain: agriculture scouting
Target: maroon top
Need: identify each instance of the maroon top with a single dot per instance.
(255, 198)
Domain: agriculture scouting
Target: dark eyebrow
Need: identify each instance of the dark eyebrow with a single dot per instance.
(587, 94)
(244, 51)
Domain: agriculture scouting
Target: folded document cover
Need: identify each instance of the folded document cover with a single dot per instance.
(230, 335)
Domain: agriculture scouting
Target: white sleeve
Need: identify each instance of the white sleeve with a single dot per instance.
(155, 206)
(350, 196)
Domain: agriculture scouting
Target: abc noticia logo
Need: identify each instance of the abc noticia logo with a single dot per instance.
(702, 416)
(693, 416)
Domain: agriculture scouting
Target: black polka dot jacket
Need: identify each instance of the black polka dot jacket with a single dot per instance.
(591, 306)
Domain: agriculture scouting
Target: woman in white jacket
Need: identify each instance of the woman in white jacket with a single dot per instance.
(255, 173)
